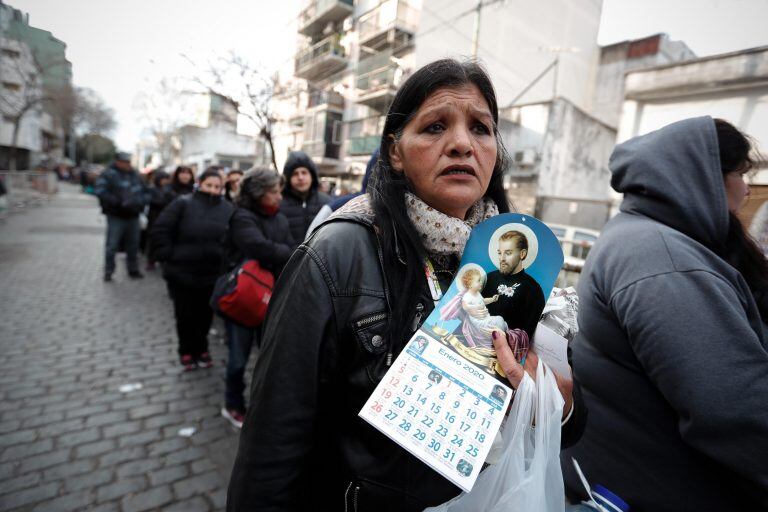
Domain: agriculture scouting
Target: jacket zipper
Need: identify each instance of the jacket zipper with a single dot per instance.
(417, 318)
(370, 320)
(354, 497)
(388, 362)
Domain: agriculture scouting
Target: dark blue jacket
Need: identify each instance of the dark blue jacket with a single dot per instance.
(121, 193)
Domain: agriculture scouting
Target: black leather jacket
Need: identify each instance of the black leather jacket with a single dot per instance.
(303, 446)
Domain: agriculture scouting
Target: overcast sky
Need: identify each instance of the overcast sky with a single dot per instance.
(120, 48)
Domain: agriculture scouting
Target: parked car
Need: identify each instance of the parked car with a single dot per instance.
(576, 243)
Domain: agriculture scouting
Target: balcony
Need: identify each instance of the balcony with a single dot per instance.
(365, 135)
(321, 150)
(378, 78)
(322, 134)
(391, 25)
(325, 99)
(319, 13)
(321, 59)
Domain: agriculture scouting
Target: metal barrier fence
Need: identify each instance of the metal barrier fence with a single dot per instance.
(28, 188)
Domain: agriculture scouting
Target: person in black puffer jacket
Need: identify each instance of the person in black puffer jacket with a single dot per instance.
(188, 238)
(258, 232)
(301, 197)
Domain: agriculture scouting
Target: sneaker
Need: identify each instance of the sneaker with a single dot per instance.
(108, 277)
(150, 266)
(188, 363)
(234, 416)
(135, 275)
(204, 360)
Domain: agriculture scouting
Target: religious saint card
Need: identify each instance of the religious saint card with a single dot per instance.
(445, 396)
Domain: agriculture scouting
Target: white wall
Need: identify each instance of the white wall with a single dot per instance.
(574, 163)
(516, 42)
(218, 139)
(747, 109)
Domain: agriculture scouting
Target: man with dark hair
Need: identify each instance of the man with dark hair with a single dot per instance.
(123, 196)
(521, 299)
(301, 197)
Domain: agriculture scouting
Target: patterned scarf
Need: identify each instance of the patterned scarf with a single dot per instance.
(441, 234)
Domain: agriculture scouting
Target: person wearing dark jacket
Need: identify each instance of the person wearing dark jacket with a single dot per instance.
(301, 197)
(123, 196)
(353, 294)
(258, 231)
(189, 239)
(182, 181)
(160, 196)
(337, 203)
(672, 354)
(232, 185)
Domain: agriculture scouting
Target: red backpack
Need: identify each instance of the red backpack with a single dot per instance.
(243, 294)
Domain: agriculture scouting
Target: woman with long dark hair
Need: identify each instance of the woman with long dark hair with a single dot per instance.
(189, 239)
(352, 295)
(672, 356)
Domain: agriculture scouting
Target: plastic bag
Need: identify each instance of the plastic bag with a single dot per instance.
(561, 312)
(528, 477)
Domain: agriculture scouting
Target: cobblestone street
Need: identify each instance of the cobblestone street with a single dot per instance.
(70, 439)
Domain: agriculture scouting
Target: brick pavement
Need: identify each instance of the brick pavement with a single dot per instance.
(69, 438)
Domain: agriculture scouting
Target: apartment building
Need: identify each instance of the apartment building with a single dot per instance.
(353, 55)
(351, 58)
(32, 66)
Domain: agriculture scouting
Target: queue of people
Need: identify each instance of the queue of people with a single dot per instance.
(200, 229)
(664, 405)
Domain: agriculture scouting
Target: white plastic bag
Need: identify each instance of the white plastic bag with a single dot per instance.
(527, 477)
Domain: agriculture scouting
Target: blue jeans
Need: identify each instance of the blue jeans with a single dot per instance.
(127, 230)
(240, 340)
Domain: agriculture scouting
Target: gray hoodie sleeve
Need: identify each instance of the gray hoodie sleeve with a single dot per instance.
(690, 334)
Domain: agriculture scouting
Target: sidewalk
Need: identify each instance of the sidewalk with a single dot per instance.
(69, 438)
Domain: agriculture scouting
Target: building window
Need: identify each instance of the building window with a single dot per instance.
(245, 165)
(225, 163)
(10, 86)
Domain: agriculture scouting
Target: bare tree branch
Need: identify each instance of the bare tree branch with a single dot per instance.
(243, 84)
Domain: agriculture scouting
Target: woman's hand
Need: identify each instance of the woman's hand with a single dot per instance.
(515, 371)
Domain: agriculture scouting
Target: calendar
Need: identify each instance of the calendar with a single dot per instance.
(445, 396)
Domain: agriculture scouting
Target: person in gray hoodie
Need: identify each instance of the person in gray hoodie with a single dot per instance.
(672, 357)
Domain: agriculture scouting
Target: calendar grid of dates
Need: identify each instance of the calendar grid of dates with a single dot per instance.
(440, 407)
